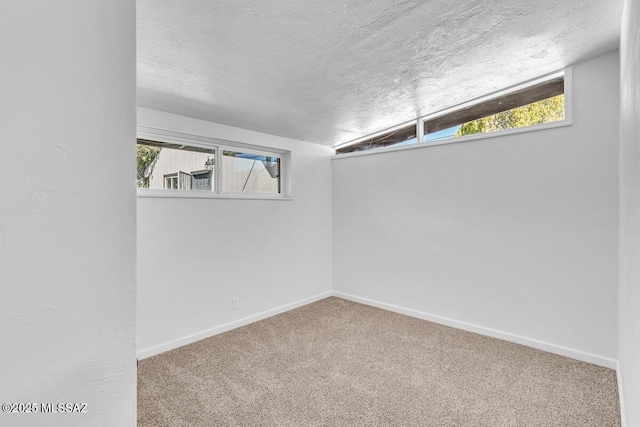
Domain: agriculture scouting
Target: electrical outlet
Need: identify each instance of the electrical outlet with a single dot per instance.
(235, 303)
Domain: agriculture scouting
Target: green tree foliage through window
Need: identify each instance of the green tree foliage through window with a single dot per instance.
(145, 155)
(545, 111)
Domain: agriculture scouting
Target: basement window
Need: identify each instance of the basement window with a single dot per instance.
(535, 105)
(246, 172)
(209, 168)
(541, 103)
(403, 135)
(169, 166)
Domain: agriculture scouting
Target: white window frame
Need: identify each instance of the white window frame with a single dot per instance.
(419, 122)
(170, 177)
(218, 146)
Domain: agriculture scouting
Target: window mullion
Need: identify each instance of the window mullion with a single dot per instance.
(218, 170)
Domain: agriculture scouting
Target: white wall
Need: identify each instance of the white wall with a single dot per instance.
(67, 215)
(629, 296)
(195, 255)
(516, 233)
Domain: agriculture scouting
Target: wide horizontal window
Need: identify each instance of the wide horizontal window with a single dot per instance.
(221, 170)
(529, 105)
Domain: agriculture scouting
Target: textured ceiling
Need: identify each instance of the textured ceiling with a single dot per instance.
(331, 71)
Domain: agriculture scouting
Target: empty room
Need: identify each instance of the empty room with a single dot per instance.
(365, 213)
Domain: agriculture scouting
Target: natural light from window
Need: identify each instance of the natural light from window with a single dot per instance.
(527, 106)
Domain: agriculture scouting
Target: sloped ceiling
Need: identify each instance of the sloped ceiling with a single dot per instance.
(332, 71)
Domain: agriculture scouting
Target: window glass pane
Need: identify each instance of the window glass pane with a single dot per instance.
(247, 172)
(530, 106)
(398, 137)
(175, 167)
(545, 111)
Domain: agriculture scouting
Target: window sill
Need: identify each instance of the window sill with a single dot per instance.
(193, 194)
(468, 138)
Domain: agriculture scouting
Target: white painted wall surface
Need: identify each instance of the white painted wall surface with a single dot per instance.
(195, 255)
(516, 233)
(67, 215)
(629, 337)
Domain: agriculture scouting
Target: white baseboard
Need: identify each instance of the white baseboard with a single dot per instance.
(529, 342)
(191, 338)
(623, 422)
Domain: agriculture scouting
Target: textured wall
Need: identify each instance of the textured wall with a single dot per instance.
(629, 338)
(67, 216)
(517, 233)
(195, 255)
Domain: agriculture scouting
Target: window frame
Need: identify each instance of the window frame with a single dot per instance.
(218, 146)
(419, 122)
(169, 178)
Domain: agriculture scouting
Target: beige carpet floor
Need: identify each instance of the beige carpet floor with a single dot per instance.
(338, 363)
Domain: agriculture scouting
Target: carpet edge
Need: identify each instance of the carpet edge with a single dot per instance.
(225, 327)
(560, 350)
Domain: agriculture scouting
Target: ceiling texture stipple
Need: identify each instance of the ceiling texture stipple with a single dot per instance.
(332, 71)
